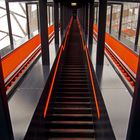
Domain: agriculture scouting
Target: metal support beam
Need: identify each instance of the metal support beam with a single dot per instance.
(101, 32)
(6, 132)
(133, 132)
(137, 31)
(120, 24)
(110, 25)
(27, 17)
(44, 32)
(91, 22)
(9, 25)
(56, 23)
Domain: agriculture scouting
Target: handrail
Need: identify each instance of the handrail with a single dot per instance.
(90, 71)
(56, 68)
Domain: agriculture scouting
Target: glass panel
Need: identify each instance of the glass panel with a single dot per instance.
(16, 7)
(108, 18)
(51, 20)
(129, 24)
(115, 20)
(2, 12)
(48, 15)
(139, 43)
(16, 30)
(4, 37)
(4, 42)
(18, 22)
(2, 4)
(33, 21)
(95, 15)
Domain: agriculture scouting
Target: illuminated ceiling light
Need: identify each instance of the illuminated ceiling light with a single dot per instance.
(73, 4)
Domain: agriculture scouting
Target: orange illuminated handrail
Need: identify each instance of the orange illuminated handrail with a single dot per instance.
(90, 72)
(56, 68)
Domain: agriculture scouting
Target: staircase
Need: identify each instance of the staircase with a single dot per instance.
(71, 113)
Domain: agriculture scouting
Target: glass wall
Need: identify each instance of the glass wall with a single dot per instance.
(108, 18)
(33, 19)
(129, 24)
(18, 22)
(115, 20)
(4, 32)
(96, 15)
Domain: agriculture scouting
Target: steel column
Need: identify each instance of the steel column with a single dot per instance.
(9, 25)
(120, 24)
(110, 25)
(137, 32)
(91, 22)
(101, 32)
(133, 132)
(27, 17)
(56, 23)
(44, 32)
(6, 132)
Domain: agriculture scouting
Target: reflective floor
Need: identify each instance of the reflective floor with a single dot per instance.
(116, 97)
(22, 104)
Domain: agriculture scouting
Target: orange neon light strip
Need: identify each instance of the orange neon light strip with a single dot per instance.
(51, 88)
(90, 72)
(55, 72)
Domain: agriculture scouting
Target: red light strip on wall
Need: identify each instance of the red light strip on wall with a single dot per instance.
(90, 72)
(56, 68)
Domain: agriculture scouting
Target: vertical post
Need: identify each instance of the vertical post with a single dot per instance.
(27, 17)
(9, 25)
(110, 25)
(44, 32)
(101, 32)
(137, 31)
(6, 132)
(91, 22)
(61, 20)
(133, 132)
(120, 24)
(56, 24)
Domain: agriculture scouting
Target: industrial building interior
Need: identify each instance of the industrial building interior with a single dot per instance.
(69, 70)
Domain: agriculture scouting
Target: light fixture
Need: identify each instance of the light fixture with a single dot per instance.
(73, 4)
